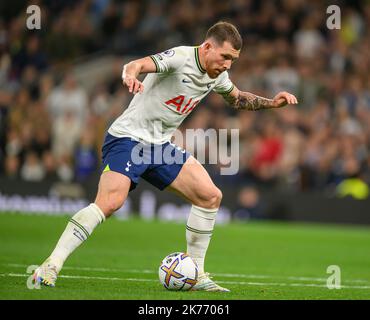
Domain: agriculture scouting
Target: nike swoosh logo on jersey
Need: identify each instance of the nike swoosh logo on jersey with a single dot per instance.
(186, 81)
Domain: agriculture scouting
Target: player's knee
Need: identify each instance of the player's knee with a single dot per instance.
(216, 198)
(212, 199)
(114, 204)
(110, 203)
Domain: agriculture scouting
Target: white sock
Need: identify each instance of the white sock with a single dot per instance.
(199, 230)
(78, 229)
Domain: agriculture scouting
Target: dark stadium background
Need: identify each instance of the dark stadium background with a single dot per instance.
(309, 162)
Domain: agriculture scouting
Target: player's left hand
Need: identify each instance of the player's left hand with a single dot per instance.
(284, 98)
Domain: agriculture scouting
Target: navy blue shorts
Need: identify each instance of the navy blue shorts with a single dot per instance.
(157, 164)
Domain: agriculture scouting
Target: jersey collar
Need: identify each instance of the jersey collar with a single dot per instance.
(197, 60)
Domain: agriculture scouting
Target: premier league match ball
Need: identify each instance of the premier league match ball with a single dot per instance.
(178, 271)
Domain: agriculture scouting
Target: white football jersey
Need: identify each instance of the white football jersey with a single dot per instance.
(169, 96)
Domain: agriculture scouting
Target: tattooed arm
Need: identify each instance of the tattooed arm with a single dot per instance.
(249, 101)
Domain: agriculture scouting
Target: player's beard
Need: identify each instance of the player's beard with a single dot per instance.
(214, 74)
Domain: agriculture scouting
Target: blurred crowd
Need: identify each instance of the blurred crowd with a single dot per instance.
(52, 127)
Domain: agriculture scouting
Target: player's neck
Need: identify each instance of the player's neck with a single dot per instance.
(201, 57)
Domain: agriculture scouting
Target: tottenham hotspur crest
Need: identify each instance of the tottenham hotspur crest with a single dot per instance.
(128, 166)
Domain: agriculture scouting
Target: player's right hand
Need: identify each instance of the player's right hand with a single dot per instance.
(134, 85)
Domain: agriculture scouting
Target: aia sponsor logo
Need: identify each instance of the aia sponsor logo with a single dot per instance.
(181, 104)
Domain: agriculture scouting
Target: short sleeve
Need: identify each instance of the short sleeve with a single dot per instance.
(223, 84)
(169, 60)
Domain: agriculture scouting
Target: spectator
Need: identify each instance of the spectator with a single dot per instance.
(50, 165)
(353, 185)
(12, 166)
(267, 153)
(308, 40)
(249, 205)
(282, 77)
(66, 133)
(86, 159)
(69, 98)
(31, 55)
(65, 168)
(32, 169)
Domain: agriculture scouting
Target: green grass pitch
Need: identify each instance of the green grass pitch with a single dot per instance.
(259, 260)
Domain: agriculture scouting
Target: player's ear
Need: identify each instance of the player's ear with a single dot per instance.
(207, 45)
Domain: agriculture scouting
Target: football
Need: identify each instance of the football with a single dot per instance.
(178, 271)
